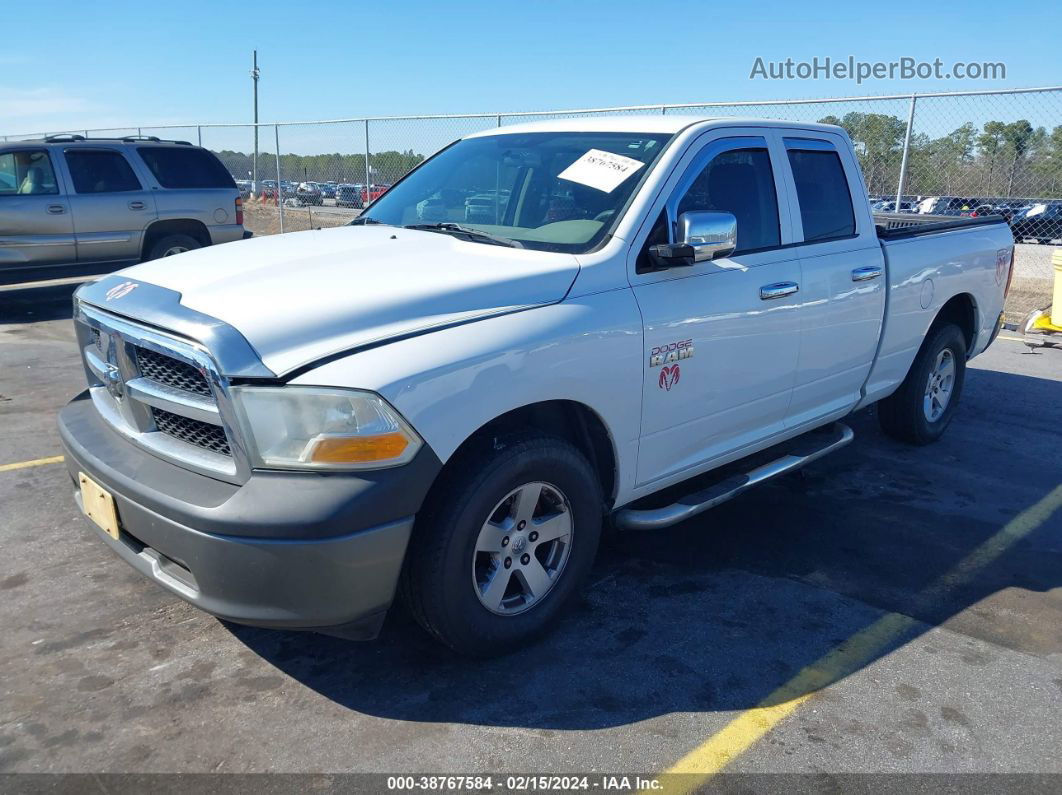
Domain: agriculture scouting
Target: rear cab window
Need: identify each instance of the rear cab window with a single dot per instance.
(100, 171)
(27, 173)
(826, 209)
(185, 167)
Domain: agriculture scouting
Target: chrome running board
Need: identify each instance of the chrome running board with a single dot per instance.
(804, 449)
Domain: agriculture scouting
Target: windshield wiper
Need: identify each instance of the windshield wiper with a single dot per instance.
(448, 227)
(363, 220)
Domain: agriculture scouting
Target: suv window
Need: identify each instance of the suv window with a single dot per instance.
(27, 173)
(100, 171)
(739, 181)
(184, 167)
(822, 190)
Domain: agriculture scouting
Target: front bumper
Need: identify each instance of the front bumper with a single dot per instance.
(294, 550)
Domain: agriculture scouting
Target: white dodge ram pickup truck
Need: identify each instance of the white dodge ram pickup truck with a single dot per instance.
(539, 328)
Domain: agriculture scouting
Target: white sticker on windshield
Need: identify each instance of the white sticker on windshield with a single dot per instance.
(601, 170)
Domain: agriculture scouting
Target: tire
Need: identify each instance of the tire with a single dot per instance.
(913, 413)
(173, 244)
(448, 582)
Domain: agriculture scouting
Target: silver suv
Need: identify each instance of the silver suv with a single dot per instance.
(68, 200)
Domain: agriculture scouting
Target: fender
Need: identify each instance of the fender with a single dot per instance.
(451, 382)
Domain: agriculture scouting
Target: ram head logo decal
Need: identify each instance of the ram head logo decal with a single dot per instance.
(669, 376)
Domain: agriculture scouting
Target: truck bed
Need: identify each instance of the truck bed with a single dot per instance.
(897, 226)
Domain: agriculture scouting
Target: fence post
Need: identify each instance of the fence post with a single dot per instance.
(499, 120)
(199, 133)
(663, 110)
(280, 192)
(906, 152)
(368, 183)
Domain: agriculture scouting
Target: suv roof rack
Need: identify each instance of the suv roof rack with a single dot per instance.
(74, 137)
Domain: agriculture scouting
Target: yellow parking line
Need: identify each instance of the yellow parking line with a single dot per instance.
(715, 753)
(39, 462)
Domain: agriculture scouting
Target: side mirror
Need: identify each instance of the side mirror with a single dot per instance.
(711, 234)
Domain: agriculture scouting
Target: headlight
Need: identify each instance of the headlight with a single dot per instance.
(323, 428)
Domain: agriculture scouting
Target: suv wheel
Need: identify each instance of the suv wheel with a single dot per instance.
(173, 244)
(920, 410)
(504, 546)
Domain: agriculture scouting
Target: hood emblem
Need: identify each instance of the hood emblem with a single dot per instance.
(120, 291)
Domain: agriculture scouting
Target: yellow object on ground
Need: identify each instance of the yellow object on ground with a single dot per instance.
(1056, 301)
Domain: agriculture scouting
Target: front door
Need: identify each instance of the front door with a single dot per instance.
(111, 207)
(36, 226)
(722, 337)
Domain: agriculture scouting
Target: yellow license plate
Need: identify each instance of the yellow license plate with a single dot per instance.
(98, 505)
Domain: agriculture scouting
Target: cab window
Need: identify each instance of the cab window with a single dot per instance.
(822, 190)
(739, 181)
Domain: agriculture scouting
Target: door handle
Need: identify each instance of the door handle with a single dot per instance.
(136, 205)
(56, 209)
(778, 290)
(866, 274)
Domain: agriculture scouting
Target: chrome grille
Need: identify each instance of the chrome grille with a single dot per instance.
(171, 372)
(201, 434)
(161, 391)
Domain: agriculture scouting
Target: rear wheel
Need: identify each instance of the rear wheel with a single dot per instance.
(920, 410)
(504, 544)
(173, 244)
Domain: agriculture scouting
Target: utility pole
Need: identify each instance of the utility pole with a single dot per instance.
(254, 162)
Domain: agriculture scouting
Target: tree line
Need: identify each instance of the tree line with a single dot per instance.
(998, 159)
(385, 167)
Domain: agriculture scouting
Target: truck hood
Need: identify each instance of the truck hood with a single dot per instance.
(299, 297)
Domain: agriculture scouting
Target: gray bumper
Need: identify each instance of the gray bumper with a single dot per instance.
(287, 550)
(226, 233)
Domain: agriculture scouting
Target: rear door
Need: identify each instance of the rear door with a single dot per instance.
(36, 226)
(843, 272)
(111, 206)
(721, 337)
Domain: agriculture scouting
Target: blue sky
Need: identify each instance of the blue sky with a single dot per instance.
(110, 63)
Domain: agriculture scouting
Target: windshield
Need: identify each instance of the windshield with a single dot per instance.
(550, 191)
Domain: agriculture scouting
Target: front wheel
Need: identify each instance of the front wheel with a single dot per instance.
(920, 410)
(504, 543)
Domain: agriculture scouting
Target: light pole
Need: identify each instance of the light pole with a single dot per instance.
(254, 161)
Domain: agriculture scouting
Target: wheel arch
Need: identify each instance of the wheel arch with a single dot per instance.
(176, 226)
(961, 310)
(570, 420)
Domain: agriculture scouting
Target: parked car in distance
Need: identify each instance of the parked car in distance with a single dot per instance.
(350, 195)
(889, 206)
(68, 199)
(309, 193)
(948, 205)
(290, 432)
(328, 189)
(1042, 222)
(376, 190)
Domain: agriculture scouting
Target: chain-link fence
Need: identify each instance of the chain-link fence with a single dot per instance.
(951, 153)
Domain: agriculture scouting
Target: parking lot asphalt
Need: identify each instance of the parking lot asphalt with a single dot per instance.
(679, 634)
